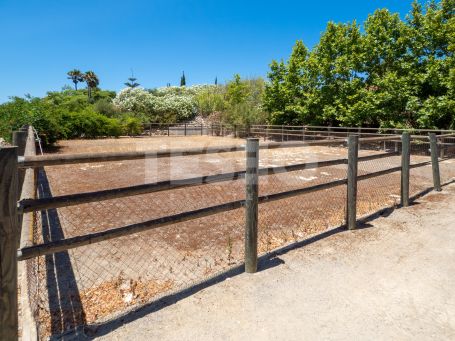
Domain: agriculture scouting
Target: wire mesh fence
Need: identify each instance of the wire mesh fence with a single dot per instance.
(98, 282)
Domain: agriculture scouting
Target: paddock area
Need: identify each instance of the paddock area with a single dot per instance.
(99, 282)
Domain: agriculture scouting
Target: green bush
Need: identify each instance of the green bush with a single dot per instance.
(132, 126)
(90, 124)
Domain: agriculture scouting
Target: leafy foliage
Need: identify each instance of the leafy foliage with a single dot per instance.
(393, 73)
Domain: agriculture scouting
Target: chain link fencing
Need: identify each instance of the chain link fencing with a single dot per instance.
(92, 284)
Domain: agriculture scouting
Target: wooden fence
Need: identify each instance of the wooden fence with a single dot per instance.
(14, 207)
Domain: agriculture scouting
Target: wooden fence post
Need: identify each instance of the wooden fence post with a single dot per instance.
(405, 162)
(435, 162)
(282, 133)
(351, 210)
(235, 130)
(20, 140)
(9, 233)
(168, 129)
(185, 130)
(202, 129)
(251, 205)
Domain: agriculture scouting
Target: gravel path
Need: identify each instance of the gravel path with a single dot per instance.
(391, 280)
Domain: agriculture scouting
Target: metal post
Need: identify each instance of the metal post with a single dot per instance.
(405, 162)
(9, 233)
(353, 152)
(435, 162)
(251, 205)
(282, 133)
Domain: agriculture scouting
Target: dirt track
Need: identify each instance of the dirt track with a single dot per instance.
(136, 269)
(392, 280)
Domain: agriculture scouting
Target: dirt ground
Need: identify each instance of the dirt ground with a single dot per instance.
(94, 283)
(392, 280)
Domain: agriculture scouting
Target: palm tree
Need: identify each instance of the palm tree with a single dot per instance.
(92, 82)
(76, 76)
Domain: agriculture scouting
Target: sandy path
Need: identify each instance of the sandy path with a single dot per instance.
(393, 280)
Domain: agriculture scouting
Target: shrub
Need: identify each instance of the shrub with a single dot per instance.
(90, 124)
(132, 126)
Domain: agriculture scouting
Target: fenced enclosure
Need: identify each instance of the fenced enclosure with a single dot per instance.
(103, 233)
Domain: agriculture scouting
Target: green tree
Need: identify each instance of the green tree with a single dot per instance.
(132, 82)
(183, 79)
(92, 82)
(76, 76)
(391, 73)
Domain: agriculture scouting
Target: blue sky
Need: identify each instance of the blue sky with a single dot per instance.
(42, 40)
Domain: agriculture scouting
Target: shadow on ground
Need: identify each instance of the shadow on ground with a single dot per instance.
(267, 261)
(65, 304)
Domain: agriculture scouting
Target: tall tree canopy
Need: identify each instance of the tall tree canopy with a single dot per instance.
(92, 82)
(391, 73)
(76, 76)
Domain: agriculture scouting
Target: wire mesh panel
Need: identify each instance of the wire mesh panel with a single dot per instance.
(378, 192)
(293, 219)
(90, 283)
(447, 158)
(97, 282)
(420, 175)
(286, 221)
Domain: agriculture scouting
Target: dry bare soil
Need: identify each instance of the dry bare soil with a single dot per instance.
(95, 283)
(392, 280)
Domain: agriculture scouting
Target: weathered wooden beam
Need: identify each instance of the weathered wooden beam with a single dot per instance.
(70, 243)
(405, 162)
(435, 162)
(9, 235)
(351, 209)
(251, 205)
(30, 205)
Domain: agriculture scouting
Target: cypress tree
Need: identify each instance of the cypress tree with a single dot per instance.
(182, 79)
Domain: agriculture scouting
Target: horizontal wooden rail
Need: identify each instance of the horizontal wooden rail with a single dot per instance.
(65, 159)
(30, 205)
(390, 170)
(70, 243)
(78, 241)
(354, 129)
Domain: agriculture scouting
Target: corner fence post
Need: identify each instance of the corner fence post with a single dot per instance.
(405, 162)
(353, 153)
(20, 140)
(435, 162)
(9, 234)
(251, 205)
